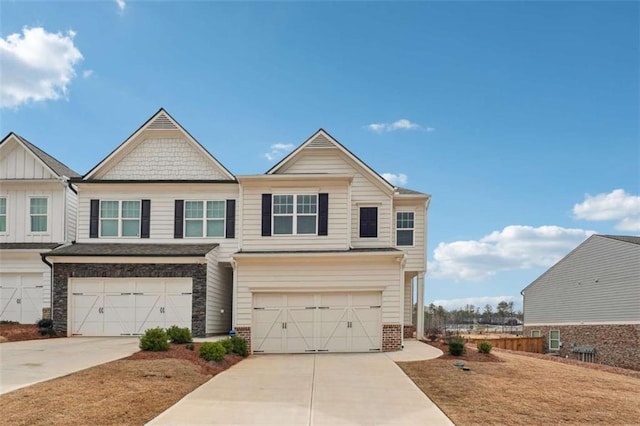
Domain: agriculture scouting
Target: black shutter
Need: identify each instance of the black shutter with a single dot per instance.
(368, 222)
(230, 231)
(145, 223)
(323, 214)
(94, 218)
(266, 215)
(178, 219)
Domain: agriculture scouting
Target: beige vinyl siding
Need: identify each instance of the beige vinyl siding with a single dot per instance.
(28, 262)
(598, 282)
(219, 289)
(72, 215)
(364, 192)
(21, 164)
(252, 238)
(329, 274)
(408, 305)
(162, 198)
(416, 254)
(18, 212)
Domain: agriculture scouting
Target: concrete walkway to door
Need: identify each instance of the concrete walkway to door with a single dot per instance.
(33, 361)
(324, 389)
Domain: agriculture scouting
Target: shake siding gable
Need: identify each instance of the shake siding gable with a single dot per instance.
(598, 282)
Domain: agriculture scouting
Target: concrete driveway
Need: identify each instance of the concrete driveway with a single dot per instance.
(326, 389)
(33, 361)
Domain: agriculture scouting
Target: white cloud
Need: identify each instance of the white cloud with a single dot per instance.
(277, 150)
(36, 66)
(87, 73)
(121, 5)
(616, 205)
(478, 302)
(402, 124)
(515, 247)
(397, 180)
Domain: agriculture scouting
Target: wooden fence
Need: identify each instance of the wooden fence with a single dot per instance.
(522, 344)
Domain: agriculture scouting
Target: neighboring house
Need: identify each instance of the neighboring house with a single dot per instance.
(587, 306)
(37, 213)
(318, 254)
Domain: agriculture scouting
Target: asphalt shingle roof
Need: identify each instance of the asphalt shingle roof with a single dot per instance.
(625, 238)
(407, 191)
(28, 246)
(57, 166)
(144, 250)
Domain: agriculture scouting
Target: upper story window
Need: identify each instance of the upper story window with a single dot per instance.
(120, 218)
(295, 214)
(38, 213)
(204, 219)
(3, 214)
(368, 222)
(404, 228)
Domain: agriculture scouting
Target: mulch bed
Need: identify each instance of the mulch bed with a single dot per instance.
(470, 354)
(19, 332)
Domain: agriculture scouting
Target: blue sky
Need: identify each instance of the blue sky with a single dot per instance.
(521, 119)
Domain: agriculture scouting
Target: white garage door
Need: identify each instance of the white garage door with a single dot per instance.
(323, 322)
(128, 306)
(21, 297)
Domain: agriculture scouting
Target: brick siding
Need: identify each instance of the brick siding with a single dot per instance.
(615, 345)
(63, 271)
(408, 331)
(245, 332)
(391, 337)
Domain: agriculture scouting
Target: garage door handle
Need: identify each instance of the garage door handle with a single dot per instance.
(101, 310)
(162, 310)
(18, 301)
(284, 325)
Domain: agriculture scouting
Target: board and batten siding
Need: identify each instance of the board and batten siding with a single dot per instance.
(219, 295)
(599, 282)
(331, 274)
(162, 198)
(20, 262)
(364, 193)
(20, 164)
(165, 158)
(18, 212)
(252, 238)
(71, 223)
(416, 254)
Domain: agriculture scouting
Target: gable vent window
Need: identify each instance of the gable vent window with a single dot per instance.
(404, 228)
(204, 219)
(161, 123)
(120, 218)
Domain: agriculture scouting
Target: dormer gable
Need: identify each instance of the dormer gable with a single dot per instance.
(161, 150)
(20, 159)
(322, 144)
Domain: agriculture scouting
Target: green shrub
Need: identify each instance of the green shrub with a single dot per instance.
(45, 323)
(179, 335)
(484, 347)
(212, 351)
(154, 340)
(190, 346)
(456, 346)
(239, 346)
(227, 344)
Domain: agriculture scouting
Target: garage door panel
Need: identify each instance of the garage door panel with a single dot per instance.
(299, 328)
(300, 300)
(118, 314)
(265, 300)
(21, 297)
(365, 299)
(148, 312)
(268, 330)
(87, 318)
(9, 308)
(177, 310)
(31, 304)
(334, 299)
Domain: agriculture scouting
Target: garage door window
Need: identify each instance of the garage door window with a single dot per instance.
(38, 213)
(3, 214)
(204, 218)
(119, 218)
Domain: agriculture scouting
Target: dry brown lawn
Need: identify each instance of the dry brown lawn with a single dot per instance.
(524, 390)
(13, 332)
(129, 391)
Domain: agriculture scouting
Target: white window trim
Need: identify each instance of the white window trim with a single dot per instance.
(204, 218)
(536, 331)
(48, 231)
(413, 235)
(6, 215)
(295, 214)
(119, 220)
(369, 205)
(558, 339)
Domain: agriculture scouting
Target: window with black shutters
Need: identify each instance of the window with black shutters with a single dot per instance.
(368, 222)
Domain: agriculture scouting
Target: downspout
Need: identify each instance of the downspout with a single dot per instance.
(43, 257)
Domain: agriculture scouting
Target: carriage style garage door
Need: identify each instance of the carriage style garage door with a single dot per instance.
(323, 322)
(128, 306)
(21, 297)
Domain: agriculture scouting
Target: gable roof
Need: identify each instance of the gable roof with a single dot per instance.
(56, 167)
(625, 238)
(161, 120)
(322, 139)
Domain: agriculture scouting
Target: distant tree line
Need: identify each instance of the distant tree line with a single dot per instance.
(437, 318)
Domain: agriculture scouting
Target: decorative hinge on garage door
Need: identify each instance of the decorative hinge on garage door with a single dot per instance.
(39, 286)
(323, 307)
(309, 350)
(375, 307)
(375, 349)
(323, 350)
(186, 293)
(77, 294)
(258, 308)
(310, 307)
(255, 352)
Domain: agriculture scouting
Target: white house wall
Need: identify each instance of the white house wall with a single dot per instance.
(340, 273)
(20, 164)
(416, 254)
(364, 193)
(598, 283)
(162, 198)
(18, 208)
(219, 295)
(72, 214)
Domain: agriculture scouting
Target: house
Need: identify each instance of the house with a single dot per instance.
(319, 254)
(587, 306)
(37, 213)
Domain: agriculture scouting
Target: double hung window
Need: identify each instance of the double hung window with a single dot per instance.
(295, 214)
(204, 219)
(38, 213)
(120, 218)
(404, 228)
